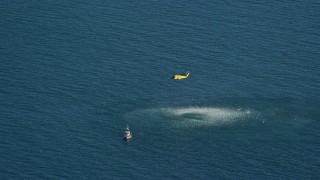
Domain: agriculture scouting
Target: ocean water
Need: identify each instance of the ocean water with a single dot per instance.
(75, 73)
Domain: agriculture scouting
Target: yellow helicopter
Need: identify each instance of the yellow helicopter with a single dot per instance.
(180, 77)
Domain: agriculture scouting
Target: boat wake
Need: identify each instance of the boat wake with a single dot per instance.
(192, 116)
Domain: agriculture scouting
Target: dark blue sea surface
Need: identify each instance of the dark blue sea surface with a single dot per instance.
(74, 73)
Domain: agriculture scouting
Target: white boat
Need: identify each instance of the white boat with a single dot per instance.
(127, 134)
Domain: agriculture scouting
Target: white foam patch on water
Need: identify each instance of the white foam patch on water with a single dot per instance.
(205, 116)
(193, 116)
